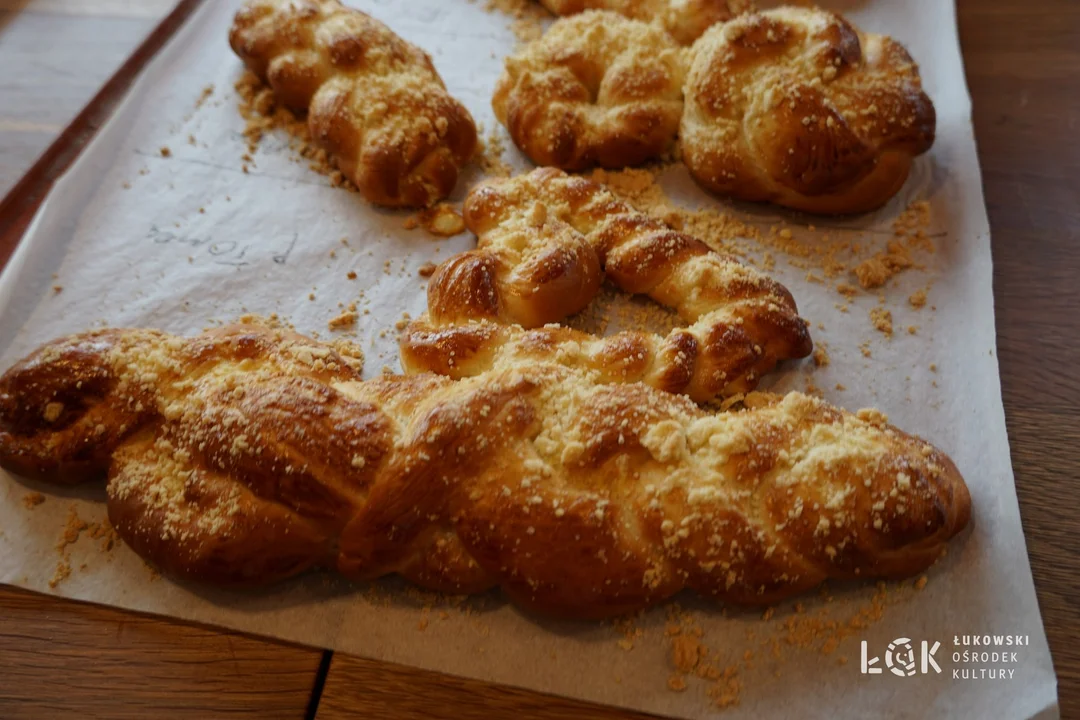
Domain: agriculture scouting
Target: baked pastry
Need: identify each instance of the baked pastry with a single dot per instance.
(373, 100)
(797, 107)
(596, 89)
(684, 20)
(545, 242)
(246, 455)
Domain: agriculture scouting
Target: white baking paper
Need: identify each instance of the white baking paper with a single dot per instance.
(135, 238)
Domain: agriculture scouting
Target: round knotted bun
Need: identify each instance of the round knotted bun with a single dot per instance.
(797, 107)
(597, 89)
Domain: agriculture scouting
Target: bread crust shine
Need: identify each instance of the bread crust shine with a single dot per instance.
(246, 455)
(546, 240)
(373, 100)
(797, 107)
(684, 20)
(596, 89)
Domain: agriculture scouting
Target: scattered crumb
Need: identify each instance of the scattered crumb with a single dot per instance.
(821, 355)
(490, 155)
(527, 17)
(877, 270)
(442, 220)
(32, 500)
(933, 367)
(626, 627)
(840, 387)
(918, 299)
(921, 583)
(262, 114)
(727, 688)
(676, 683)
(882, 321)
(912, 329)
(343, 321)
(74, 527)
(351, 275)
(865, 349)
(427, 269)
(873, 416)
(57, 289)
(204, 96)
(62, 573)
(165, 151)
(685, 652)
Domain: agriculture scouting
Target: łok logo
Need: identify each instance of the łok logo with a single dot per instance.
(900, 658)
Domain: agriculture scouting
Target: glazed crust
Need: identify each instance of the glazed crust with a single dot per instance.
(596, 89)
(373, 100)
(684, 20)
(546, 240)
(246, 455)
(797, 107)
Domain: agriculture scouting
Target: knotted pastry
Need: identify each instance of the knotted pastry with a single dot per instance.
(374, 101)
(684, 20)
(596, 89)
(796, 106)
(545, 241)
(247, 455)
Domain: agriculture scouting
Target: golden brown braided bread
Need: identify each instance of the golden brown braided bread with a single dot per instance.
(797, 107)
(545, 240)
(685, 20)
(374, 101)
(596, 89)
(246, 455)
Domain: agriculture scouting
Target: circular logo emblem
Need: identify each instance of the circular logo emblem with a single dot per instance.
(900, 657)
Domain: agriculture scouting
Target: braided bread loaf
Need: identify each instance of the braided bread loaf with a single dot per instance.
(597, 89)
(374, 101)
(246, 455)
(684, 20)
(544, 241)
(797, 107)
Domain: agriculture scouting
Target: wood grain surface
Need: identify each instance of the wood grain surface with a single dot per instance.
(383, 691)
(62, 659)
(1023, 67)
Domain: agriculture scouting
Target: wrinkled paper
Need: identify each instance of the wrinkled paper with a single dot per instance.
(137, 238)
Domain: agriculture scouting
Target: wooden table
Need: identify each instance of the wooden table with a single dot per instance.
(65, 659)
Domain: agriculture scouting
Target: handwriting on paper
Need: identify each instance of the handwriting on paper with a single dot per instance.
(222, 252)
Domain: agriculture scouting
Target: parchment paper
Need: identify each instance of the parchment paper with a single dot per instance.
(195, 239)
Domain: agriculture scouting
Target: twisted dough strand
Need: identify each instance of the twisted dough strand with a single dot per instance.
(374, 101)
(545, 240)
(246, 455)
